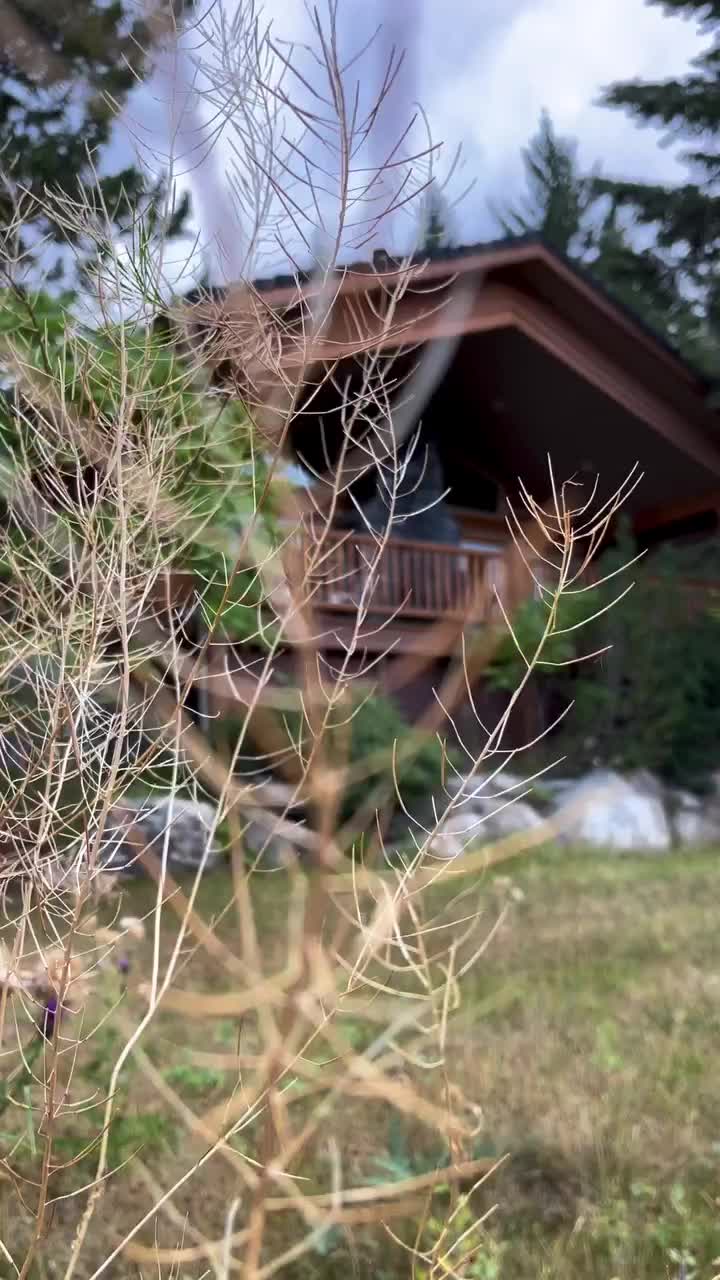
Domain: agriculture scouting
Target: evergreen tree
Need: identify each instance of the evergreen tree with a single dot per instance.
(578, 214)
(559, 195)
(641, 280)
(65, 66)
(434, 222)
(684, 218)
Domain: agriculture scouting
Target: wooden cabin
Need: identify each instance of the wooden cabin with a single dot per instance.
(527, 358)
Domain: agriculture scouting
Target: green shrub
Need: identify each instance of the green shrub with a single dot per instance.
(379, 733)
(367, 739)
(652, 699)
(197, 1081)
(132, 1131)
(529, 624)
(200, 448)
(460, 1240)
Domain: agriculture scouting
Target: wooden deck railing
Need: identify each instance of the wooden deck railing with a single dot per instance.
(418, 580)
(412, 580)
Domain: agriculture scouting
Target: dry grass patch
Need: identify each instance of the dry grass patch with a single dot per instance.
(587, 1043)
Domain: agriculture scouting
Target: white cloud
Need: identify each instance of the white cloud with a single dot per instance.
(558, 54)
(484, 69)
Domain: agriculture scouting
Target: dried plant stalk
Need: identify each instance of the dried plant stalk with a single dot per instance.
(160, 568)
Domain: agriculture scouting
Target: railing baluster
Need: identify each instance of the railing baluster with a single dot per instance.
(433, 579)
(435, 591)
(354, 571)
(385, 571)
(469, 587)
(341, 585)
(388, 569)
(405, 594)
(480, 589)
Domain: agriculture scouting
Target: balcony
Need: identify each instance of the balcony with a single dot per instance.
(407, 580)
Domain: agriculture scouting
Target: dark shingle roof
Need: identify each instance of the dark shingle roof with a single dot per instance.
(454, 255)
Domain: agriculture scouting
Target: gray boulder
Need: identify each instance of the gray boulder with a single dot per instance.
(270, 850)
(691, 827)
(510, 820)
(482, 784)
(488, 813)
(694, 822)
(447, 845)
(188, 824)
(606, 811)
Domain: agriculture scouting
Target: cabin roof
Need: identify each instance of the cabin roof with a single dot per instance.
(504, 253)
(532, 309)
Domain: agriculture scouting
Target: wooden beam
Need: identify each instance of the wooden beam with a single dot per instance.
(429, 639)
(481, 263)
(360, 323)
(539, 324)
(656, 517)
(499, 306)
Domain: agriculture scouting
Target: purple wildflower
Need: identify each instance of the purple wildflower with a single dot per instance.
(46, 1025)
(123, 965)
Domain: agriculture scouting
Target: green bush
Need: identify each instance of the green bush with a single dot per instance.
(197, 1081)
(379, 733)
(366, 739)
(200, 450)
(652, 699)
(529, 626)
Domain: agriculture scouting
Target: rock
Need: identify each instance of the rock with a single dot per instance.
(615, 813)
(553, 786)
(277, 796)
(514, 818)
(632, 813)
(271, 850)
(458, 832)
(691, 827)
(681, 801)
(483, 818)
(646, 782)
(188, 823)
(446, 845)
(482, 785)
(462, 822)
(694, 822)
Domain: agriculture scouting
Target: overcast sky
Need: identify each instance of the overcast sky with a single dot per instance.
(484, 69)
(490, 67)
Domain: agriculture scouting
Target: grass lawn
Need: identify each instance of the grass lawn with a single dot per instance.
(588, 1037)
